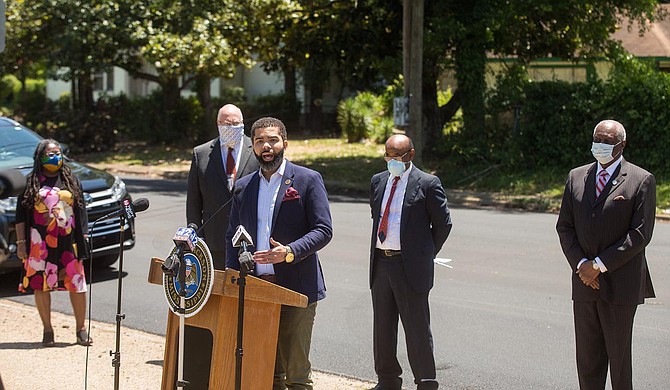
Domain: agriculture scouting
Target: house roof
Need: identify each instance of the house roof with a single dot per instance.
(654, 43)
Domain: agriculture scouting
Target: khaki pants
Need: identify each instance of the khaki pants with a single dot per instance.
(292, 367)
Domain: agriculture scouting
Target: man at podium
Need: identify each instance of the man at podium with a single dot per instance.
(285, 209)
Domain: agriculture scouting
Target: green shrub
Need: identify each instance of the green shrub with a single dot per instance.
(364, 116)
(550, 124)
(9, 88)
(281, 106)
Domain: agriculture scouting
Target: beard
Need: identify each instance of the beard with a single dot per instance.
(270, 166)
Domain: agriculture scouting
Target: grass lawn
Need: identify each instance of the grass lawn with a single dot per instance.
(347, 168)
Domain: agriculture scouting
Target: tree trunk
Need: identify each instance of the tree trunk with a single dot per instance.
(315, 109)
(290, 84)
(208, 120)
(85, 103)
(470, 59)
(170, 103)
(433, 122)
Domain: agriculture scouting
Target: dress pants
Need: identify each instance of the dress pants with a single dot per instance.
(292, 367)
(393, 297)
(603, 334)
(218, 259)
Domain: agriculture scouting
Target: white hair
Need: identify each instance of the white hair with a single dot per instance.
(620, 130)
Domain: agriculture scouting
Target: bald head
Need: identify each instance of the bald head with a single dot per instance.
(229, 115)
(611, 127)
(400, 145)
(400, 142)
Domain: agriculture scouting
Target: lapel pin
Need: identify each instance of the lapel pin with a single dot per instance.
(614, 182)
(287, 182)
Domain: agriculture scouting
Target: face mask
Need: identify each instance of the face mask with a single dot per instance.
(396, 167)
(602, 152)
(52, 164)
(230, 135)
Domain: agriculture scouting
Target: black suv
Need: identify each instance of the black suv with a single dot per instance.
(103, 193)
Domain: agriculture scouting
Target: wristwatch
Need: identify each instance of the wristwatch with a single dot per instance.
(289, 255)
(595, 265)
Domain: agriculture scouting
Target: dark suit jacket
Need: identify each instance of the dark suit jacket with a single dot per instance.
(615, 227)
(208, 189)
(425, 224)
(303, 223)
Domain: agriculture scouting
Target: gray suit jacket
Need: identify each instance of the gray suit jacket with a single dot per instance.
(208, 191)
(615, 227)
(425, 224)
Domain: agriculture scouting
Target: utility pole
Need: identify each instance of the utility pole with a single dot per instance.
(2, 25)
(412, 48)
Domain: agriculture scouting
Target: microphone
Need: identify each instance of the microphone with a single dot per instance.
(186, 236)
(128, 210)
(241, 239)
(184, 239)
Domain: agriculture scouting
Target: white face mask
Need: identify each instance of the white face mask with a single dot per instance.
(230, 135)
(396, 167)
(603, 152)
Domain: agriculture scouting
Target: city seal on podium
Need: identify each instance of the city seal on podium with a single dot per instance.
(198, 281)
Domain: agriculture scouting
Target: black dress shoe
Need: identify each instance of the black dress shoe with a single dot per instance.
(381, 386)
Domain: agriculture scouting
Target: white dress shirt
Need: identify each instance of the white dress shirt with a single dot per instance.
(267, 196)
(392, 240)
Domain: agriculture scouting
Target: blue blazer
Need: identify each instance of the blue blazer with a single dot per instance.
(425, 224)
(302, 222)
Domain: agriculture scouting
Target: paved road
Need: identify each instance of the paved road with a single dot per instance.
(501, 317)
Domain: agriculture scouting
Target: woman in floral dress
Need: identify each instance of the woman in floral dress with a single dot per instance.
(51, 223)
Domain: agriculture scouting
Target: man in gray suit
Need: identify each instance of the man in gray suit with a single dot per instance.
(411, 222)
(215, 167)
(605, 223)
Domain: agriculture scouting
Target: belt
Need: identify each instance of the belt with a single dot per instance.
(269, 277)
(388, 252)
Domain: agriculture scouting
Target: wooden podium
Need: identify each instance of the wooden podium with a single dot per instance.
(262, 307)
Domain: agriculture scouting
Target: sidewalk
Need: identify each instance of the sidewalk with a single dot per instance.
(25, 364)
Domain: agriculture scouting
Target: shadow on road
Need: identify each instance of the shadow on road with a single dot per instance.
(167, 187)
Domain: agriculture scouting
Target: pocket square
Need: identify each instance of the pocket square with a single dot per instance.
(290, 194)
(619, 197)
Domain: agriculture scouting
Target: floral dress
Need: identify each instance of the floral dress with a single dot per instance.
(54, 228)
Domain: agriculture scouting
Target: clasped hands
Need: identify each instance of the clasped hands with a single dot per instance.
(589, 275)
(276, 254)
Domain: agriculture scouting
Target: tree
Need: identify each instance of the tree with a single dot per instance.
(356, 39)
(459, 34)
(25, 49)
(184, 43)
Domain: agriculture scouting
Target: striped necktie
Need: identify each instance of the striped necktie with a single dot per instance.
(383, 227)
(601, 182)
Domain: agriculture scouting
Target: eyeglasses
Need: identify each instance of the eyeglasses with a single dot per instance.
(52, 154)
(598, 141)
(388, 158)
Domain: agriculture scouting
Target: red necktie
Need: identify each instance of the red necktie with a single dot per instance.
(600, 183)
(230, 164)
(383, 227)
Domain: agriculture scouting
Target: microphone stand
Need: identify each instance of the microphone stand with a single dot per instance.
(116, 360)
(181, 383)
(241, 282)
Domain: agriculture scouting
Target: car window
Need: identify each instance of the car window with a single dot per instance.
(17, 145)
